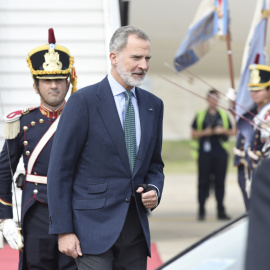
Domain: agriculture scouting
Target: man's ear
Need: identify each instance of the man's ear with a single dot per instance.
(35, 87)
(114, 58)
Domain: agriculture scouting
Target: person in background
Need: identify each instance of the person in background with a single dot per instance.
(106, 168)
(211, 129)
(258, 240)
(253, 147)
(259, 86)
(29, 134)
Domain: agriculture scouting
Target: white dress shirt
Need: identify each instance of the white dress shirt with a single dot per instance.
(119, 97)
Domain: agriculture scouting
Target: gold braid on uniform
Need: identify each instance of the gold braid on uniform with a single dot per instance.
(70, 69)
(12, 129)
(73, 80)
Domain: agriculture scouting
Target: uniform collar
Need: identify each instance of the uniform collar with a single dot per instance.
(49, 113)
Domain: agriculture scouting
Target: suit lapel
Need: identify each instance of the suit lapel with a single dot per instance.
(146, 121)
(109, 114)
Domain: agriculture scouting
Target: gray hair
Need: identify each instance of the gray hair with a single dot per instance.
(119, 39)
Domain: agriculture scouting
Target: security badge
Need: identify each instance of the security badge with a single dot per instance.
(207, 146)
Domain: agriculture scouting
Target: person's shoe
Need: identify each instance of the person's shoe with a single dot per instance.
(201, 214)
(201, 217)
(223, 216)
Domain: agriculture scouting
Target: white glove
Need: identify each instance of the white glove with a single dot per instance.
(252, 155)
(10, 232)
(238, 152)
(265, 131)
(231, 94)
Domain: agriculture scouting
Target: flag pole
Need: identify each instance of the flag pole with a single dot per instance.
(229, 53)
(230, 63)
(265, 33)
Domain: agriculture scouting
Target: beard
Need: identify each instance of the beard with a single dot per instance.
(127, 76)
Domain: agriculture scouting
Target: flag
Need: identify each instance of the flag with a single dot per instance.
(211, 20)
(254, 53)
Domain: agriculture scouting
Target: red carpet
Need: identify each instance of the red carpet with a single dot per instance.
(9, 258)
(155, 261)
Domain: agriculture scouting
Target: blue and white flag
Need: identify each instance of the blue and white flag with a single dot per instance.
(211, 20)
(254, 53)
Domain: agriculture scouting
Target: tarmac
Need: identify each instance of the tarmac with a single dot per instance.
(174, 226)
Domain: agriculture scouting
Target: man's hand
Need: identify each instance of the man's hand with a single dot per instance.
(11, 233)
(196, 134)
(149, 199)
(69, 244)
(207, 132)
(219, 131)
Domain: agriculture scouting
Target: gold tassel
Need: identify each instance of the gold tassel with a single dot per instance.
(12, 129)
(73, 80)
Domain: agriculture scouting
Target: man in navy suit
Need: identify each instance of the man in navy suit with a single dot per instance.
(98, 202)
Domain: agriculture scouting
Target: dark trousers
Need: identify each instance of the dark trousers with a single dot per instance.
(128, 253)
(242, 183)
(212, 166)
(41, 249)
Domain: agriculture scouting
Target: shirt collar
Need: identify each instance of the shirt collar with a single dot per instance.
(116, 87)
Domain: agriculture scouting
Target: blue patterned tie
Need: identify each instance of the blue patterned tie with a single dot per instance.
(130, 130)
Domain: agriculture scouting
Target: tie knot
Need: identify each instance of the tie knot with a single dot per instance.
(128, 95)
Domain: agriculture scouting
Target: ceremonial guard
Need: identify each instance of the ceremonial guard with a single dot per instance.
(29, 133)
(252, 144)
(259, 86)
(257, 250)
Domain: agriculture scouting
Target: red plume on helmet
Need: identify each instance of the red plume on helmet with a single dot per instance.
(257, 58)
(51, 37)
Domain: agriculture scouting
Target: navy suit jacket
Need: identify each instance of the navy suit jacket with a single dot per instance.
(89, 180)
(258, 238)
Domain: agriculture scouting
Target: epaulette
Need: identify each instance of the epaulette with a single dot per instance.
(12, 122)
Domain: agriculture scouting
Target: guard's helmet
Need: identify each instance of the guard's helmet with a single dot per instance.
(259, 77)
(52, 61)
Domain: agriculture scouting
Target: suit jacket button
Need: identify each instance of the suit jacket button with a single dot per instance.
(127, 200)
(35, 191)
